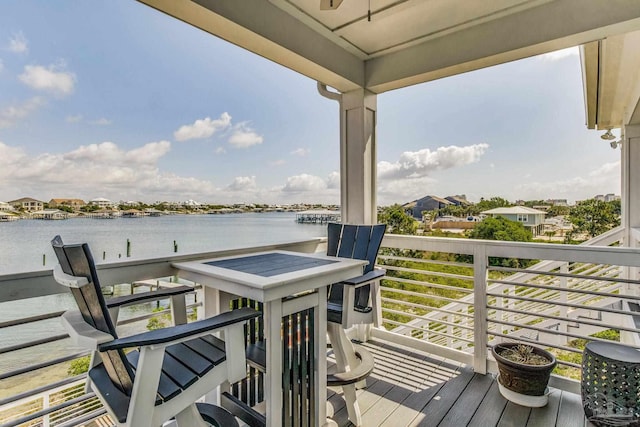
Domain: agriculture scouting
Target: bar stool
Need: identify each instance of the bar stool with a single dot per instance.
(611, 384)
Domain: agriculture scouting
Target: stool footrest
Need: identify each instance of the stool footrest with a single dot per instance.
(243, 411)
(359, 373)
(216, 415)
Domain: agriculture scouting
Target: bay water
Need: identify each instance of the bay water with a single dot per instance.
(25, 246)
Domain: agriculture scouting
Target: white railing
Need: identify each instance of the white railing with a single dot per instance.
(63, 403)
(447, 297)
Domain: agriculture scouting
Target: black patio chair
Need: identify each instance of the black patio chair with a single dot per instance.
(353, 302)
(168, 369)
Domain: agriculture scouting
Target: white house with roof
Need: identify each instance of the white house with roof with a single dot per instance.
(6, 207)
(531, 218)
(101, 202)
(27, 204)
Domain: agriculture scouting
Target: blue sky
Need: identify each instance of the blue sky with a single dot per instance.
(114, 99)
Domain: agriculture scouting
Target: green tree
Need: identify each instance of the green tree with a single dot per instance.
(594, 217)
(557, 211)
(492, 203)
(397, 220)
(503, 229)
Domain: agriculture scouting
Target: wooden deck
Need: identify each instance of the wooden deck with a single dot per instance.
(410, 388)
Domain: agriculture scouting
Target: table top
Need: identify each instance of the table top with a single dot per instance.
(269, 275)
(614, 351)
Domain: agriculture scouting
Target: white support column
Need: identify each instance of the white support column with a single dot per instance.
(358, 110)
(630, 181)
(630, 201)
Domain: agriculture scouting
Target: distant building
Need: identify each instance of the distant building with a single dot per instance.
(72, 203)
(28, 204)
(611, 197)
(427, 203)
(532, 219)
(458, 200)
(6, 207)
(191, 203)
(557, 202)
(101, 202)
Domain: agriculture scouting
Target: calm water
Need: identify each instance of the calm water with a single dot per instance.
(23, 244)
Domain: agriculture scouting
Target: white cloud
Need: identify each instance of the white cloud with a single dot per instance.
(203, 128)
(74, 119)
(101, 122)
(605, 179)
(18, 43)
(243, 183)
(302, 152)
(13, 113)
(244, 137)
(405, 189)
(560, 54)
(117, 173)
(415, 164)
(220, 150)
(278, 162)
(304, 183)
(333, 181)
(1, 65)
(52, 79)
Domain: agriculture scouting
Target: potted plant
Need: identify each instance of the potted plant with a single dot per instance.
(524, 372)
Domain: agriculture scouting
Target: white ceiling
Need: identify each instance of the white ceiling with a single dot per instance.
(397, 24)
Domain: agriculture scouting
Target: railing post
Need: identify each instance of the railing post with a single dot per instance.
(45, 405)
(480, 309)
(564, 269)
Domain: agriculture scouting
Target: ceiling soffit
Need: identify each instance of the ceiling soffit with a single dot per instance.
(407, 41)
(397, 24)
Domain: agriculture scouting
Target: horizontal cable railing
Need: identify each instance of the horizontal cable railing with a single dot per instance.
(452, 297)
(555, 296)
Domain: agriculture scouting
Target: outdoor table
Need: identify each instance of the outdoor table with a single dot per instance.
(611, 384)
(273, 278)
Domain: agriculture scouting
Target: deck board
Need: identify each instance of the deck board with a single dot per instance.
(413, 388)
(547, 415)
(465, 406)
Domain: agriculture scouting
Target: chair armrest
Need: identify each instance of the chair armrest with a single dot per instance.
(366, 278)
(125, 300)
(67, 280)
(83, 334)
(182, 332)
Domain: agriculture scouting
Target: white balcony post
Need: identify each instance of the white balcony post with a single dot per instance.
(358, 157)
(630, 201)
(564, 298)
(480, 309)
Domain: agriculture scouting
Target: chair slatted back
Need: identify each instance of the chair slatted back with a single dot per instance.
(356, 242)
(76, 260)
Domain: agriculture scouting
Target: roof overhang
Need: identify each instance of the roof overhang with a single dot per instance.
(407, 41)
(611, 81)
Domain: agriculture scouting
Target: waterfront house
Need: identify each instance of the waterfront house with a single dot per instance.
(27, 204)
(6, 207)
(101, 202)
(430, 350)
(532, 219)
(75, 204)
(458, 200)
(427, 204)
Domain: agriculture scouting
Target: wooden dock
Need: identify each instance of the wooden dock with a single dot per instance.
(317, 217)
